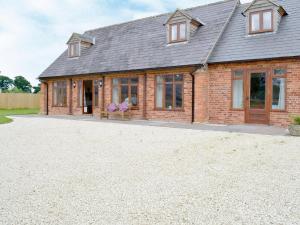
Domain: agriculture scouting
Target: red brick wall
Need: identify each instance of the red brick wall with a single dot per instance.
(220, 91)
(212, 93)
(146, 109)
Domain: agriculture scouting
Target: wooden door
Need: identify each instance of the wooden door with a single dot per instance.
(257, 97)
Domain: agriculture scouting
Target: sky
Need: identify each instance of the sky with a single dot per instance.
(33, 33)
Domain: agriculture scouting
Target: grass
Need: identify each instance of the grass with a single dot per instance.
(4, 119)
(10, 112)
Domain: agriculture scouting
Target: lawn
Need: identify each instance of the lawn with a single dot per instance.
(10, 112)
(4, 119)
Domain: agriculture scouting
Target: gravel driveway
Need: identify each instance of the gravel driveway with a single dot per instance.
(55, 171)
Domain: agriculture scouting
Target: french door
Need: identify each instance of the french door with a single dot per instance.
(257, 97)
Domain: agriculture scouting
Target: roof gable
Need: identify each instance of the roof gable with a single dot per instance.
(75, 37)
(179, 13)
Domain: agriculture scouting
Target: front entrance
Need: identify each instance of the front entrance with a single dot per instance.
(87, 95)
(257, 101)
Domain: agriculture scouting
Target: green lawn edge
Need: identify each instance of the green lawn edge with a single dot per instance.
(10, 112)
(4, 120)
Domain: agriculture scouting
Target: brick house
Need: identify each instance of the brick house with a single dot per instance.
(224, 62)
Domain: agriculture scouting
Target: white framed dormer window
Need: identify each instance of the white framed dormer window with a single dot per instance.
(178, 32)
(261, 21)
(74, 50)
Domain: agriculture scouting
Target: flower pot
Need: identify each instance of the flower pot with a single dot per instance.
(294, 130)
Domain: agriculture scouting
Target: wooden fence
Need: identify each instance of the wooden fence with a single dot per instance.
(19, 100)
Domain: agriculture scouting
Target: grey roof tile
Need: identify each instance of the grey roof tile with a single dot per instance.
(236, 45)
(142, 44)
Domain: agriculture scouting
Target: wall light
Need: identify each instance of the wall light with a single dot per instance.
(74, 84)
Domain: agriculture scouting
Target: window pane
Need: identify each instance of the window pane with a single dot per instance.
(267, 20)
(124, 80)
(182, 31)
(134, 96)
(55, 94)
(237, 101)
(178, 77)
(238, 74)
(79, 93)
(255, 22)
(115, 81)
(96, 92)
(115, 97)
(159, 79)
(134, 80)
(258, 91)
(124, 94)
(278, 100)
(178, 99)
(279, 72)
(174, 32)
(169, 78)
(159, 95)
(169, 96)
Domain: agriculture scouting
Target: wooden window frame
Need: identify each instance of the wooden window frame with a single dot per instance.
(64, 104)
(285, 88)
(233, 78)
(129, 84)
(261, 22)
(178, 32)
(163, 108)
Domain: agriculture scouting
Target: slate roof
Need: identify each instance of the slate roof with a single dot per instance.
(236, 45)
(142, 44)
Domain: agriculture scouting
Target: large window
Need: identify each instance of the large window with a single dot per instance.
(178, 32)
(261, 21)
(125, 90)
(169, 92)
(238, 89)
(60, 93)
(278, 89)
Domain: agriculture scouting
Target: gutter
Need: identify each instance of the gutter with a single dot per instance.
(193, 92)
(222, 31)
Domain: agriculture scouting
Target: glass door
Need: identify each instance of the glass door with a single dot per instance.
(257, 101)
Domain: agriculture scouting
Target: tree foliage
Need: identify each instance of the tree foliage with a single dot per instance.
(37, 89)
(5, 83)
(21, 83)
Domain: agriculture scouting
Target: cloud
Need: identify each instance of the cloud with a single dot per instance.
(33, 33)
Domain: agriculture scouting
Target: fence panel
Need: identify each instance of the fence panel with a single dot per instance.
(19, 100)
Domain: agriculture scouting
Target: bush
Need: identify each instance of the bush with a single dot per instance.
(297, 120)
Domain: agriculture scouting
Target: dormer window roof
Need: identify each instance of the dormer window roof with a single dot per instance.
(180, 26)
(77, 42)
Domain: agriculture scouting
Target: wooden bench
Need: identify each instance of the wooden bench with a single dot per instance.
(106, 114)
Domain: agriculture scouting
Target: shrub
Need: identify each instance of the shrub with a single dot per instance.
(297, 120)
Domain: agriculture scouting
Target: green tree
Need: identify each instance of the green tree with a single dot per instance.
(5, 83)
(21, 83)
(37, 89)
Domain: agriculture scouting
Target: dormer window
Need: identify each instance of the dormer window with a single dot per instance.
(78, 43)
(261, 21)
(178, 32)
(74, 50)
(181, 26)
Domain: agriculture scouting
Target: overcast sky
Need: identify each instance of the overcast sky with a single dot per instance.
(33, 33)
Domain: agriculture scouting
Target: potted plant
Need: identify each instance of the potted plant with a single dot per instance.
(294, 128)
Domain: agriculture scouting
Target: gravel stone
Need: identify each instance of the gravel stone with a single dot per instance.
(55, 171)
